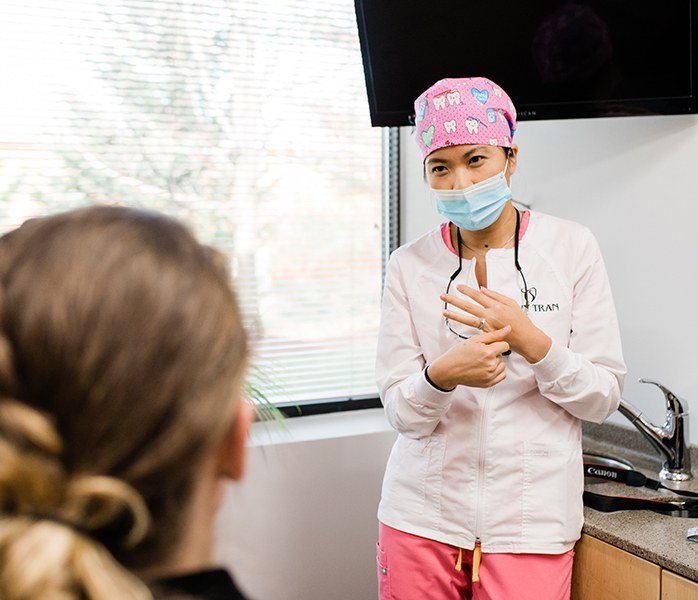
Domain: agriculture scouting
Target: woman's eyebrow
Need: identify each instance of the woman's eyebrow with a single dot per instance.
(481, 148)
(475, 150)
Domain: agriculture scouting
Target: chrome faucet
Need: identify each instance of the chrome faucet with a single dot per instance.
(671, 439)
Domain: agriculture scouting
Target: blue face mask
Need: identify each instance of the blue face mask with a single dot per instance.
(476, 207)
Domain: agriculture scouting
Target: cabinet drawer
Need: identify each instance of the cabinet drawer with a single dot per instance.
(675, 587)
(604, 571)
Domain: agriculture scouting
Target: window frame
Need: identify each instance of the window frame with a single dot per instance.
(390, 240)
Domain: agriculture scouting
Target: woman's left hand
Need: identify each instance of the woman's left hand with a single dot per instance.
(497, 311)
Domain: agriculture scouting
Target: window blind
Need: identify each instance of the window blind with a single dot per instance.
(249, 121)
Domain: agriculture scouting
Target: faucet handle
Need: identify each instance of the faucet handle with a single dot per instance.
(673, 403)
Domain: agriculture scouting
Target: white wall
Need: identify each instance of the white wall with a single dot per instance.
(634, 182)
(302, 526)
(302, 523)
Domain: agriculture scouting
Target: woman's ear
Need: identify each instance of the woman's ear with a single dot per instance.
(232, 451)
(513, 152)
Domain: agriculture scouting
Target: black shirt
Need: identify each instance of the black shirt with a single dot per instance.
(216, 584)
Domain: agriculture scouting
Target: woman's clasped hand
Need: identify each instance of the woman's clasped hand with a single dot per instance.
(495, 311)
(476, 362)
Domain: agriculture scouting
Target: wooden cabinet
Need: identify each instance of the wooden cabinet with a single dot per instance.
(675, 587)
(604, 571)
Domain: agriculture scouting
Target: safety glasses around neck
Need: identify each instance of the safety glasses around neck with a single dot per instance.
(455, 274)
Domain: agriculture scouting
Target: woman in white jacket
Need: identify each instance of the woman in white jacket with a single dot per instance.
(498, 336)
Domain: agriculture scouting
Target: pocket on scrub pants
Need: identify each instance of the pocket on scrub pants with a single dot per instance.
(384, 592)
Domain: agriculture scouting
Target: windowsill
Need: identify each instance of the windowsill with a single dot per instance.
(319, 427)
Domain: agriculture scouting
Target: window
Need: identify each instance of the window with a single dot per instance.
(249, 121)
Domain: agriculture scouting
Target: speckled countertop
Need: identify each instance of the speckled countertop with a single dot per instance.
(658, 538)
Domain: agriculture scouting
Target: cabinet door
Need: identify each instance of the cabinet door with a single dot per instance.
(675, 587)
(604, 571)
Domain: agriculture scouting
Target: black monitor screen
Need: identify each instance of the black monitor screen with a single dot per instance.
(556, 59)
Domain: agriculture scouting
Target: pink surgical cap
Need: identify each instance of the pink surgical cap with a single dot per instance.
(469, 110)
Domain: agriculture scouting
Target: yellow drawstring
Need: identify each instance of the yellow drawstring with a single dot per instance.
(459, 562)
(477, 553)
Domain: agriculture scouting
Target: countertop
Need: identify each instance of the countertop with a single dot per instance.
(658, 538)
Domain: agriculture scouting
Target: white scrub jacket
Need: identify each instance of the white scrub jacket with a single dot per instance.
(501, 465)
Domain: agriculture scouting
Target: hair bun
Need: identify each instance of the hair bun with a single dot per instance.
(99, 503)
(31, 476)
(26, 427)
(33, 482)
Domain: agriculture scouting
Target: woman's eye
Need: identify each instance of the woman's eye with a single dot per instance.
(438, 169)
(474, 160)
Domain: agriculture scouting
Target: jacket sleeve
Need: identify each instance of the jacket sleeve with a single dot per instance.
(412, 406)
(586, 377)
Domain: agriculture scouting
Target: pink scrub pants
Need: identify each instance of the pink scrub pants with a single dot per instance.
(416, 568)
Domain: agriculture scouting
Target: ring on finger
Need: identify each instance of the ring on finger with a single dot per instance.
(481, 325)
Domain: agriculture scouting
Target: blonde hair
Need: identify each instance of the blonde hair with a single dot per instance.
(121, 358)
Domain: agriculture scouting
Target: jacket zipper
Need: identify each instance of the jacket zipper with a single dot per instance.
(482, 447)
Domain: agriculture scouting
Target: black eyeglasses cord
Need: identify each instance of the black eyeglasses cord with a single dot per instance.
(516, 258)
(516, 264)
